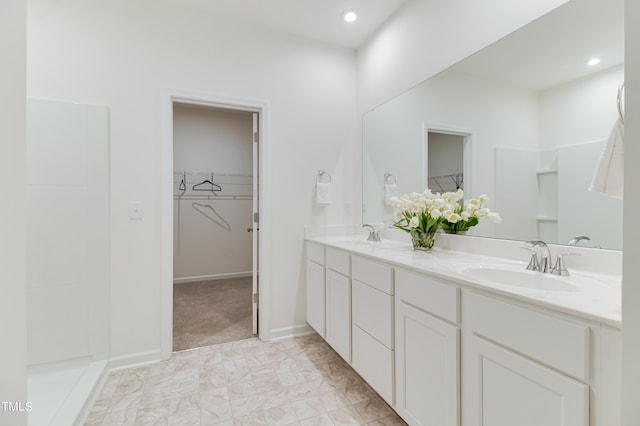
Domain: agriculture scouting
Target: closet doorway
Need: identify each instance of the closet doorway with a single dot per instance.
(215, 234)
(450, 158)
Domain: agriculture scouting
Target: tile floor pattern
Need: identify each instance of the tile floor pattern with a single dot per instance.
(294, 381)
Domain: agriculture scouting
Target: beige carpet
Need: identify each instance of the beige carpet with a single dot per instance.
(211, 312)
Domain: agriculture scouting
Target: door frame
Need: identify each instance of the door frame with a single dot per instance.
(469, 154)
(169, 97)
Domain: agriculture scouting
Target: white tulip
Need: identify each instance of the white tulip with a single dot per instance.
(414, 222)
(494, 217)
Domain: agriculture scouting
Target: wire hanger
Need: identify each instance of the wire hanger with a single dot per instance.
(214, 186)
(210, 213)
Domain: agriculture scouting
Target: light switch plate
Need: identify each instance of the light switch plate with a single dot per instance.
(136, 210)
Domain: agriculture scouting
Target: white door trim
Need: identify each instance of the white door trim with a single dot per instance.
(169, 97)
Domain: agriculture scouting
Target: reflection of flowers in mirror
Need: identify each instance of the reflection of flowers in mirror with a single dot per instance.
(468, 214)
(426, 212)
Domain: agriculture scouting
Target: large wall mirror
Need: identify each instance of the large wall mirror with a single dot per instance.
(523, 121)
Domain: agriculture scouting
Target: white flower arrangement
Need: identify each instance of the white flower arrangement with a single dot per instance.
(424, 213)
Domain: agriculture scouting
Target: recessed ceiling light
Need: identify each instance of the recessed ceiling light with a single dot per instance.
(349, 16)
(593, 61)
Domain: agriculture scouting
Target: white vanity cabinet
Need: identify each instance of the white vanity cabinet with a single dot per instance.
(427, 350)
(338, 302)
(523, 366)
(315, 287)
(373, 331)
(446, 352)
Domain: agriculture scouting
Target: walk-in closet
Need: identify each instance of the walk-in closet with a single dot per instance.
(213, 225)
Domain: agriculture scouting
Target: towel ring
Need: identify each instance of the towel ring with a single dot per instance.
(388, 179)
(621, 102)
(322, 174)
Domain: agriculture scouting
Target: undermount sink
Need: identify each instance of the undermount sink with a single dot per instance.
(517, 276)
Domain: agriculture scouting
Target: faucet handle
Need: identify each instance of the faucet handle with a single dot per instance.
(533, 263)
(559, 268)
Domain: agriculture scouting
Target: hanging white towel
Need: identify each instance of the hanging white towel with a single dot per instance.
(390, 191)
(609, 175)
(323, 193)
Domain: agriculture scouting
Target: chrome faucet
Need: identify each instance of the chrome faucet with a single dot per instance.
(374, 236)
(540, 257)
(575, 240)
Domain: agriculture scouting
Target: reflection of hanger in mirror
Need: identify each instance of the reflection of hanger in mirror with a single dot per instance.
(213, 187)
(210, 213)
(183, 187)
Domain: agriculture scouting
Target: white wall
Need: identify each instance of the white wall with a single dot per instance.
(122, 54)
(13, 333)
(210, 237)
(631, 254)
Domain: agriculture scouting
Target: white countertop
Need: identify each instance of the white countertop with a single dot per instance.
(594, 296)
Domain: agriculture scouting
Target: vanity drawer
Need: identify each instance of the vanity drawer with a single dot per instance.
(372, 273)
(374, 362)
(315, 253)
(338, 261)
(427, 294)
(554, 341)
(372, 311)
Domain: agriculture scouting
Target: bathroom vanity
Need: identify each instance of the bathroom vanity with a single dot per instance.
(456, 338)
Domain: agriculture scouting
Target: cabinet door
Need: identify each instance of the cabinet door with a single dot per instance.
(338, 314)
(427, 373)
(315, 296)
(513, 390)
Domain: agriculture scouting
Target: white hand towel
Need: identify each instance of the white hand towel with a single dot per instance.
(609, 175)
(323, 193)
(390, 191)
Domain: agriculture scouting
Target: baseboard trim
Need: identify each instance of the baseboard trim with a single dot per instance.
(294, 331)
(139, 359)
(211, 277)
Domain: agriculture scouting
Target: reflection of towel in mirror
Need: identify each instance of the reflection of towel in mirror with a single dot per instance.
(390, 191)
(323, 193)
(609, 176)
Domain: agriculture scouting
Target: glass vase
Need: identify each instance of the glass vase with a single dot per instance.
(423, 241)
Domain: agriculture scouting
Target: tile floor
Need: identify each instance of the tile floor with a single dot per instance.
(294, 381)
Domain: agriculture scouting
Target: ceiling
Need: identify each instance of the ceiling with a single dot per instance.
(315, 19)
